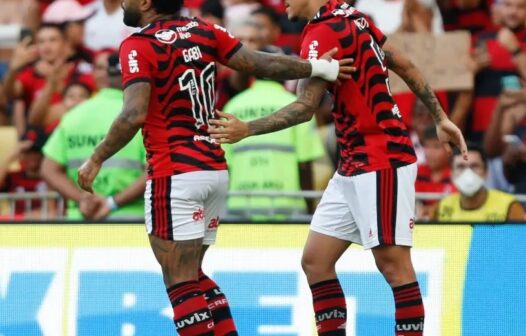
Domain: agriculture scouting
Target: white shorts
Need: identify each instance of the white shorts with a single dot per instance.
(186, 206)
(371, 209)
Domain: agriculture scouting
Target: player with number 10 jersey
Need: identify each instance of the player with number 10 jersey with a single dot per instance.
(178, 58)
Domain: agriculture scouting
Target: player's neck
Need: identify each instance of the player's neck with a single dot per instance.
(151, 17)
(474, 202)
(313, 8)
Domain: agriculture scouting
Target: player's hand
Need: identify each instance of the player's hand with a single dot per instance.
(449, 133)
(346, 69)
(229, 129)
(87, 174)
(89, 204)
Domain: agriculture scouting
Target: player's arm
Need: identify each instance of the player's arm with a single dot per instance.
(127, 124)
(403, 67)
(122, 131)
(447, 131)
(279, 67)
(231, 129)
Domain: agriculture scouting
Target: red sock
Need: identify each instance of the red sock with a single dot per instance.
(409, 310)
(191, 314)
(329, 308)
(218, 305)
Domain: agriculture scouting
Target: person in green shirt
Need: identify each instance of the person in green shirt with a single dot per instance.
(274, 162)
(120, 184)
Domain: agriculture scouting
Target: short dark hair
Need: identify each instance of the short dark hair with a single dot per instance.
(268, 12)
(212, 7)
(46, 25)
(167, 6)
(473, 147)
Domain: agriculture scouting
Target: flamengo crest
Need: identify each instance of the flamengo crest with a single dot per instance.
(166, 36)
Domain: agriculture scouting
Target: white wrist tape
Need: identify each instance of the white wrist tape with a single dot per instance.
(325, 69)
(110, 201)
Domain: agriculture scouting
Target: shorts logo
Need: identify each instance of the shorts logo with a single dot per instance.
(198, 215)
(412, 223)
(133, 64)
(166, 36)
(214, 223)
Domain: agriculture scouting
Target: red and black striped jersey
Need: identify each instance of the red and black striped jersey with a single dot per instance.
(370, 131)
(178, 58)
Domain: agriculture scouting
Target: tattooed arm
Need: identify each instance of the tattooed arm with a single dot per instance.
(122, 131)
(447, 131)
(310, 94)
(404, 68)
(274, 66)
(126, 125)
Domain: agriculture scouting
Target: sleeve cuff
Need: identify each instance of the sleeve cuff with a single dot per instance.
(135, 80)
(233, 51)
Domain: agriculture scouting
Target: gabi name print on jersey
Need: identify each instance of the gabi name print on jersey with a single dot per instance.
(177, 57)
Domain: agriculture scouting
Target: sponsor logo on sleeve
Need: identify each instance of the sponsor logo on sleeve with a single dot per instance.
(133, 64)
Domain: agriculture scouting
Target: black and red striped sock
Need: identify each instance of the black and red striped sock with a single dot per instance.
(330, 309)
(191, 314)
(409, 313)
(218, 305)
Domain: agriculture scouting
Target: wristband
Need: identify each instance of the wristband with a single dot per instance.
(325, 69)
(110, 202)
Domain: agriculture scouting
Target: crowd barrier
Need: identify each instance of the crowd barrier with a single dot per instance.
(102, 279)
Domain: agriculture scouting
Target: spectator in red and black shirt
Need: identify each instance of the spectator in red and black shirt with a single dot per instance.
(43, 67)
(28, 153)
(472, 15)
(498, 53)
(434, 176)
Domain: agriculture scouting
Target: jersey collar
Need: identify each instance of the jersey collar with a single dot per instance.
(334, 8)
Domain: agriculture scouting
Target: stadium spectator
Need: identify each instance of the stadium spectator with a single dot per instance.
(28, 153)
(420, 122)
(508, 123)
(472, 15)
(46, 115)
(280, 162)
(506, 137)
(496, 56)
(212, 11)
(32, 66)
(268, 21)
(435, 175)
(105, 28)
(474, 201)
(121, 181)
(72, 16)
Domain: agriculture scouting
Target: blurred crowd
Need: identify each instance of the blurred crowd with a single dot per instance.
(58, 79)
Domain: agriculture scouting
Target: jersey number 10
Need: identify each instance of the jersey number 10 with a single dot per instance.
(202, 93)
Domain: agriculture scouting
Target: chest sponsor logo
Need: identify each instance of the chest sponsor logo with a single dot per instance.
(166, 36)
(313, 52)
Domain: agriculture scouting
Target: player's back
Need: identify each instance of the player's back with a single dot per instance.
(178, 58)
(370, 131)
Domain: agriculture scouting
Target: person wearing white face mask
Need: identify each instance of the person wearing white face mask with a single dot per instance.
(474, 201)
